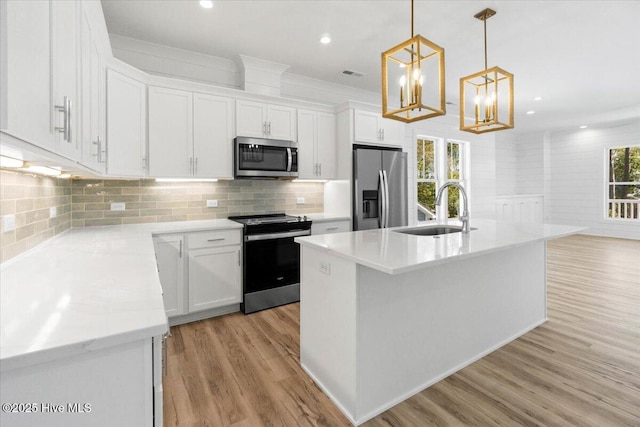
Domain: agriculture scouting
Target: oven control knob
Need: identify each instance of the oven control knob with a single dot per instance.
(305, 218)
(299, 218)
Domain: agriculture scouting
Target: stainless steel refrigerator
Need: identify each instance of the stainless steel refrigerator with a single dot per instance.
(379, 188)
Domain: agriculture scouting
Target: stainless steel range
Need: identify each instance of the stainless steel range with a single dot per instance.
(271, 267)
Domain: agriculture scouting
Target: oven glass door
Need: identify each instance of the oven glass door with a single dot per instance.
(271, 263)
(254, 157)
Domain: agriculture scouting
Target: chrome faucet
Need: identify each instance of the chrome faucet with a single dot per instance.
(465, 213)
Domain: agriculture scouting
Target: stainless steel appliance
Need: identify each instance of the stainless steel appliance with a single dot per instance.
(379, 187)
(271, 267)
(265, 158)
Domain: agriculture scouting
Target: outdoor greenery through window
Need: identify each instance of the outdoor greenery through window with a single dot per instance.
(623, 200)
(437, 161)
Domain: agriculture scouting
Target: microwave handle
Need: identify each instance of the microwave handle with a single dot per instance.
(289, 159)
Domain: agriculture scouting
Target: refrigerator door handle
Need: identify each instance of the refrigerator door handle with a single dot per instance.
(381, 200)
(386, 199)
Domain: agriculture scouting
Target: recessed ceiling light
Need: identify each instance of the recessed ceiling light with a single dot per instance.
(537, 98)
(584, 127)
(325, 39)
(207, 4)
(531, 112)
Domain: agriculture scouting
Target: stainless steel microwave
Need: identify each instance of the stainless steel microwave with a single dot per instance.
(265, 158)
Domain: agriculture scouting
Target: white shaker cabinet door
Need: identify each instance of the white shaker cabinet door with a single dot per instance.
(214, 277)
(170, 133)
(307, 165)
(281, 123)
(169, 250)
(326, 145)
(213, 136)
(66, 100)
(126, 125)
(251, 119)
(366, 127)
(25, 86)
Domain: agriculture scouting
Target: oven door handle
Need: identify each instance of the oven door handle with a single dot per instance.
(270, 236)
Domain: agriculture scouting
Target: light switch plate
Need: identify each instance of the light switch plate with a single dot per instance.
(8, 222)
(53, 212)
(117, 206)
(300, 200)
(212, 203)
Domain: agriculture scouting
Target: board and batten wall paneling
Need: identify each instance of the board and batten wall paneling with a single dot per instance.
(578, 173)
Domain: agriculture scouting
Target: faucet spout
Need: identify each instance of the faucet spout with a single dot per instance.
(465, 213)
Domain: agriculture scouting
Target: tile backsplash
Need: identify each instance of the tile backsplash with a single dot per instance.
(28, 199)
(87, 202)
(149, 201)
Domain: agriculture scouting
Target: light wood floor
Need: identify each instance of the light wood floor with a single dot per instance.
(580, 368)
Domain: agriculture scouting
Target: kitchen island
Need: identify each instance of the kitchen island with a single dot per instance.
(385, 314)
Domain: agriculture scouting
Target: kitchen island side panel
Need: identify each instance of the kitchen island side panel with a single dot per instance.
(328, 325)
(417, 328)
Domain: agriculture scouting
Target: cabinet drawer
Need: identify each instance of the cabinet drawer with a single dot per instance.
(327, 227)
(209, 239)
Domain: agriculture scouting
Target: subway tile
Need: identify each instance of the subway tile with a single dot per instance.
(24, 232)
(141, 205)
(121, 198)
(97, 206)
(88, 215)
(169, 218)
(77, 223)
(103, 221)
(8, 207)
(120, 214)
(138, 219)
(103, 191)
(186, 211)
(87, 199)
(173, 204)
(155, 212)
(121, 183)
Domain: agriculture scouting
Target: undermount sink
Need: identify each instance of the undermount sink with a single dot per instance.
(431, 230)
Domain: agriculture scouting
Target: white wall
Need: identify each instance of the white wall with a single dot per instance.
(578, 173)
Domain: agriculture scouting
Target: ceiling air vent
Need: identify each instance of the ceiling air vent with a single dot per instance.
(353, 73)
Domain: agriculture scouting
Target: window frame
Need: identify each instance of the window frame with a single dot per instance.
(607, 183)
(441, 170)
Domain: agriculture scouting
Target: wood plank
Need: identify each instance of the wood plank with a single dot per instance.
(582, 367)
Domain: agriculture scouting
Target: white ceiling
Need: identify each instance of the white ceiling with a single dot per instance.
(582, 57)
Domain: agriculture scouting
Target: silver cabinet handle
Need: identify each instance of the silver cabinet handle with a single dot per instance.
(264, 128)
(216, 240)
(190, 165)
(238, 258)
(383, 134)
(319, 169)
(65, 129)
(269, 129)
(144, 163)
(180, 248)
(99, 150)
(332, 228)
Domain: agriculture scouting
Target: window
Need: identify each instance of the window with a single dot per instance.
(623, 187)
(432, 156)
(426, 178)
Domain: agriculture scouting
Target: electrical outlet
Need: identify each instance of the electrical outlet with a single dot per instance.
(117, 206)
(300, 200)
(325, 268)
(212, 203)
(8, 222)
(53, 212)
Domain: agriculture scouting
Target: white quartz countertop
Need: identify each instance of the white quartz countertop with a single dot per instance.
(86, 289)
(395, 253)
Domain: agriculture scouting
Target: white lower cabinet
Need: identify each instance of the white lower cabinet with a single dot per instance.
(214, 277)
(169, 250)
(199, 270)
(119, 385)
(330, 226)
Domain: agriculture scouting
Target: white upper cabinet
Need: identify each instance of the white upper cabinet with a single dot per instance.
(316, 145)
(93, 87)
(259, 120)
(126, 125)
(190, 134)
(65, 72)
(212, 136)
(25, 81)
(371, 128)
(170, 133)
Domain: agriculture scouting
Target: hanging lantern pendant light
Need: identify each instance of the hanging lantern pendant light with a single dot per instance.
(490, 92)
(417, 65)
